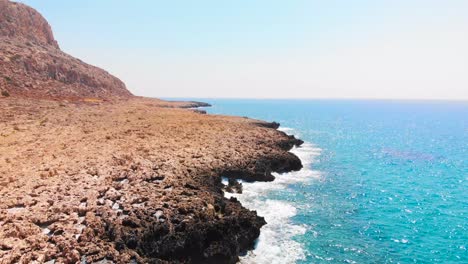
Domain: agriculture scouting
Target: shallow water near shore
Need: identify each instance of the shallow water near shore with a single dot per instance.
(384, 182)
(277, 236)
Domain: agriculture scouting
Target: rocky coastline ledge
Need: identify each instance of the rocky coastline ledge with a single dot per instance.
(131, 180)
(90, 173)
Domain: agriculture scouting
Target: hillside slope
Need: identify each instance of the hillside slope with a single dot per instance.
(32, 64)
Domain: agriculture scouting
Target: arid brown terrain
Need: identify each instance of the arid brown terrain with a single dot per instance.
(128, 180)
(92, 174)
(31, 63)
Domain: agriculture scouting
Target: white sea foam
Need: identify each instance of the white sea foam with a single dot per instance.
(286, 129)
(276, 244)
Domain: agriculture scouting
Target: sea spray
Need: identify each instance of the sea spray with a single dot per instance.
(276, 242)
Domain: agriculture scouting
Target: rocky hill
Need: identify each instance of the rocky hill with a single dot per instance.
(121, 181)
(32, 64)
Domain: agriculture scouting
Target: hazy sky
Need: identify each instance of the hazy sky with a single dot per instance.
(271, 48)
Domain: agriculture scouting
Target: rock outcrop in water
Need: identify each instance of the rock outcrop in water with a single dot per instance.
(32, 64)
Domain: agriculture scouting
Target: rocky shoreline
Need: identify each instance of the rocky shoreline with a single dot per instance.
(129, 181)
(90, 173)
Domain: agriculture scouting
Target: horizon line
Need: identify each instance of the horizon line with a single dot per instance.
(311, 98)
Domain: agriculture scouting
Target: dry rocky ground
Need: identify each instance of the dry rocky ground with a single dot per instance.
(128, 181)
(91, 174)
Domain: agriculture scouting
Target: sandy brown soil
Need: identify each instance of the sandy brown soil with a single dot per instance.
(128, 181)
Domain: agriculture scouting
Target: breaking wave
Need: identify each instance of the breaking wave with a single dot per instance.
(276, 243)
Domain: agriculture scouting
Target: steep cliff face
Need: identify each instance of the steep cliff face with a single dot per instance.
(20, 21)
(32, 64)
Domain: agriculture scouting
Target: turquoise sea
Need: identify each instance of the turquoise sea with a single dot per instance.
(384, 182)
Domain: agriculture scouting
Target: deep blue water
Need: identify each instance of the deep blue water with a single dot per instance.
(392, 184)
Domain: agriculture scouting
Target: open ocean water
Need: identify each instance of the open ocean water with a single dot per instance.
(383, 182)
